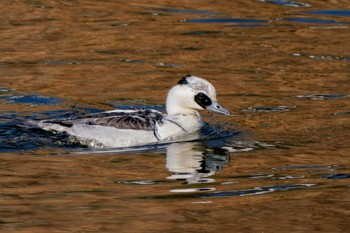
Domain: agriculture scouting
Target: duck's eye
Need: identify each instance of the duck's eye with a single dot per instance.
(202, 100)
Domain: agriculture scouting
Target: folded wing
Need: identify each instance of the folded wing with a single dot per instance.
(132, 119)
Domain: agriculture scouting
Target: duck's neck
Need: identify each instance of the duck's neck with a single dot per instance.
(177, 101)
(190, 121)
(180, 110)
(173, 111)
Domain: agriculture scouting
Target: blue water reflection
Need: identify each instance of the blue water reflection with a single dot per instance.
(312, 20)
(226, 20)
(340, 13)
(286, 3)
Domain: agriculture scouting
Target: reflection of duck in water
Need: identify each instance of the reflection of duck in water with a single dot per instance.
(192, 163)
(122, 128)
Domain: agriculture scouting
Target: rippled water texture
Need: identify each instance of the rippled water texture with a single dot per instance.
(280, 163)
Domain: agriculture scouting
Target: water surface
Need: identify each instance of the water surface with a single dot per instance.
(281, 67)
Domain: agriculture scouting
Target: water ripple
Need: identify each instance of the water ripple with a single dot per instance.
(304, 167)
(312, 20)
(322, 57)
(257, 190)
(338, 176)
(225, 20)
(30, 99)
(183, 11)
(196, 192)
(330, 12)
(286, 3)
(140, 182)
(323, 96)
(269, 109)
(3, 89)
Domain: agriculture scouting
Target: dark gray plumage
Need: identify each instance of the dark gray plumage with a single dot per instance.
(138, 119)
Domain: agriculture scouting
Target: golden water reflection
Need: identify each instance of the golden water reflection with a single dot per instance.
(282, 68)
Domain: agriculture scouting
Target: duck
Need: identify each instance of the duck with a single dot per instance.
(139, 127)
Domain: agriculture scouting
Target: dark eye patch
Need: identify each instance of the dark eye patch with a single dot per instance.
(203, 100)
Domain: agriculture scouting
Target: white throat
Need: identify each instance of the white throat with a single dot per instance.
(181, 108)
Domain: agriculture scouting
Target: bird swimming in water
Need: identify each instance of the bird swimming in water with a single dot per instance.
(125, 128)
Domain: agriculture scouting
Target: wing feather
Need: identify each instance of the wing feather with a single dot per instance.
(138, 119)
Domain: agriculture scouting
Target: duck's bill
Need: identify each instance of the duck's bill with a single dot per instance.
(216, 107)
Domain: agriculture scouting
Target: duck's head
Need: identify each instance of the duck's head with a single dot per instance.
(193, 93)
